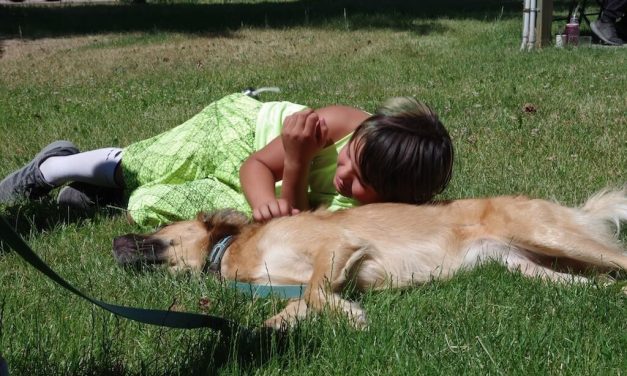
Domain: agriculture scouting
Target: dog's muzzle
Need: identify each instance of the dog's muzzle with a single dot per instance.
(133, 248)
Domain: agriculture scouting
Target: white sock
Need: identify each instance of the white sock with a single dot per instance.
(95, 167)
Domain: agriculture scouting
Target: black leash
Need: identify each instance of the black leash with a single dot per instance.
(171, 319)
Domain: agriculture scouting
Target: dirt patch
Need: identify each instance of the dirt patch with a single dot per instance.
(12, 49)
(73, 60)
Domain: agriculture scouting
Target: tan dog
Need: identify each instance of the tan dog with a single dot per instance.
(393, 245)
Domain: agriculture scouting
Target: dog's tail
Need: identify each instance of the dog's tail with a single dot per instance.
(608, 207)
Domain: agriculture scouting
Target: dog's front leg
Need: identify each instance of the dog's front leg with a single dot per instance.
(331, 267)
(322, 298)
(295, 309)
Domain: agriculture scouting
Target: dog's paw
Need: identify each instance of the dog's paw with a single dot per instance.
(359, 321)
(282, 321)
(278, 322)
(288, 317)
(356, 315)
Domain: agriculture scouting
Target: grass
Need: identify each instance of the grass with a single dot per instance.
(74, 72)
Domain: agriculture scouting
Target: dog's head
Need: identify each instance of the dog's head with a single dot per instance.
(181, 245)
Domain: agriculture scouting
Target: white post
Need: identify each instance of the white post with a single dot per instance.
(525, 33)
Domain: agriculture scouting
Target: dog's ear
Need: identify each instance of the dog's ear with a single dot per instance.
(223, 222)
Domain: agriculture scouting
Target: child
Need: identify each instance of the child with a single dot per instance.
(283, 157)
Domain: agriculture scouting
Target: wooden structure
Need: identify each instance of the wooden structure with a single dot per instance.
(537, 20)
(543, 22)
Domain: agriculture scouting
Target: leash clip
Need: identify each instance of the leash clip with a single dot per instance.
(254, 93)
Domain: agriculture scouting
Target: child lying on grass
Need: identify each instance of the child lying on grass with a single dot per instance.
(266, 159)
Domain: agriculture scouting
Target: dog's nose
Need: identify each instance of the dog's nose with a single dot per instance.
(125, 248)
(133, 248)
(126, 242)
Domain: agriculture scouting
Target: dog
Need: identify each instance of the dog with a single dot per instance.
(388, 245)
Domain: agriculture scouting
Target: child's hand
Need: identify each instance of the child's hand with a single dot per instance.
(304, 134)
(273, 209)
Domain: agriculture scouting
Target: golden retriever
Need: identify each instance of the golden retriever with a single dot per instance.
(379, 246)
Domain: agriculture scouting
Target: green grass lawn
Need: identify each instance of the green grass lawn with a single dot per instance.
(109, 75)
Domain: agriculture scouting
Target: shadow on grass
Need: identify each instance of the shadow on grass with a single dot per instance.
(223, 19)
(248, 349)
(253, 349)
(208, 354)
(43, 215)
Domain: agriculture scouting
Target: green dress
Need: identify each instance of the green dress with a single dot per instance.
(195, 166)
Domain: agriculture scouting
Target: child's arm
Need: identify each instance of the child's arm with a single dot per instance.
(271, 164)
(286, 158)
(258, 175)
(304, 134)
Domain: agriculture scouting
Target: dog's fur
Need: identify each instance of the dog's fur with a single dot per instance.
(394, 245)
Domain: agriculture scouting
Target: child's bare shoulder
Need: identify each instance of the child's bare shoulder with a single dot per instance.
(341, 120)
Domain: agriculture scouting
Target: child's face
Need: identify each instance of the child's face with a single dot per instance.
(348, 180)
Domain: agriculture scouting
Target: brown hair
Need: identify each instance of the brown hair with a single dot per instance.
(405, 153)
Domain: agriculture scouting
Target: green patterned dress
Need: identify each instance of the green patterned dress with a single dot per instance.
(195, 166)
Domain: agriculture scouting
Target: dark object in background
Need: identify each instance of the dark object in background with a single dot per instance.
(4, 367)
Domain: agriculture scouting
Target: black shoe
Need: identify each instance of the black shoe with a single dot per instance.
(621, 28)
(606, 31)
(83, 196)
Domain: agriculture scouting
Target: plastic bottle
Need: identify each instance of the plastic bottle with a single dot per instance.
(572, 30)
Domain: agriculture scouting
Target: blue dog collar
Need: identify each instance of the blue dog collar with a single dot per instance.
(217, 253)
(251, 289)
